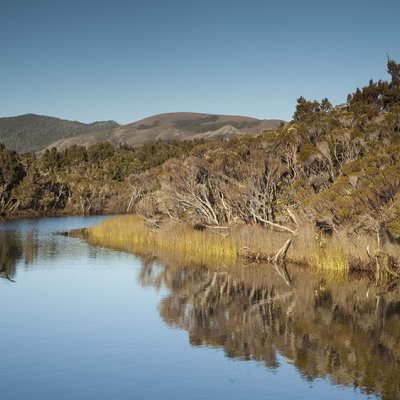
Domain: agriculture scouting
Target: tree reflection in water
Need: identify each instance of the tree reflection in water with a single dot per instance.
(10, 252)
(347, 331)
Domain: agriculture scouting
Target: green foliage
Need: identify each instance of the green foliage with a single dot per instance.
(338, 163)
(11, 173)
(306, 110)
(100, 152)
(307, 151)
(74, 155)
(391, 216)
(51, 160)
(377, 96)
(11, 170)
(393, 70)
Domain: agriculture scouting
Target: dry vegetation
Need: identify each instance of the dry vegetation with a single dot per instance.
(228, 247)
(328, 181)
(130, 233)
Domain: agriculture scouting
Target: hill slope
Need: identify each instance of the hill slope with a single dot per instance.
(172, 126)
(31, 132)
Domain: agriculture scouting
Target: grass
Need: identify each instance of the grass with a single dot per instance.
(131, 234)
(225, 247)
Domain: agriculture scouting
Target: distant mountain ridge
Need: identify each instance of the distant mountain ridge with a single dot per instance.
(34, 133)
(173, 126)
(31, 132)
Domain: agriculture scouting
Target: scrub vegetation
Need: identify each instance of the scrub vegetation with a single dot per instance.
(329, 180)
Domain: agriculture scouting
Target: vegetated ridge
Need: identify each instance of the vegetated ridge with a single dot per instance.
(172, 126)
(335, 168)
(31, 133)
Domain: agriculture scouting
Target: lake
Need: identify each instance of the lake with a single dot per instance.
(85, 322)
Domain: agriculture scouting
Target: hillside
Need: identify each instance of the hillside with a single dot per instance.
(32, 132)
(336, 167)
(172, 126)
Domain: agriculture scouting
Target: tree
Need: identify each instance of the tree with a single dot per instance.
(393, 70)
(392, 94)
(51, 160)
(305, 109)
(11, 173)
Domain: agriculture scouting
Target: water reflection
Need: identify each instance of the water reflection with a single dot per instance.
(27, 241)
(345, 330)
(26, 248)
(10, 252)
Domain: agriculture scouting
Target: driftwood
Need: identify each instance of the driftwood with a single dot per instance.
(276, 258)
(280, 255)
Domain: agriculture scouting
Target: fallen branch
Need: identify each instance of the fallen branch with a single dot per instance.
(293, 217)
(281, 254)
(294, 232)
(278, 258)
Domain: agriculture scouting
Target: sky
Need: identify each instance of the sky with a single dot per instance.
(119, 60)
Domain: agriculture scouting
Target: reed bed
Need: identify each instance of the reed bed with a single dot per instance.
(340, 252)
(130, 233)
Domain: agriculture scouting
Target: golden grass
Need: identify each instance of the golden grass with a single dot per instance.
(223, 247)
(130, 233)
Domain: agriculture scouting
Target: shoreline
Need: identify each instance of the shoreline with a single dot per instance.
(38, 215)
(244, 244)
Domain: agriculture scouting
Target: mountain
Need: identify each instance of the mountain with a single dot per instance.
(31, 132)
(172, 126)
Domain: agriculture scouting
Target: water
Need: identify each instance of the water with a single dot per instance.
(83, 322)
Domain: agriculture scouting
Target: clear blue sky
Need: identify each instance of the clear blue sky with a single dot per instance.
(124, 60)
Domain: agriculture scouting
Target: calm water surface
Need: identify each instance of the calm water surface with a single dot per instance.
(82, 322)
